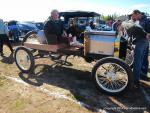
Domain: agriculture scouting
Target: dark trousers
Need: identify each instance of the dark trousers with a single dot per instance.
(15, 35)
(140, 58)
(123, 48)
(145, 62)
(5, 40)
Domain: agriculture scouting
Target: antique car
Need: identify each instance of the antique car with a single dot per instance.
(111, 73)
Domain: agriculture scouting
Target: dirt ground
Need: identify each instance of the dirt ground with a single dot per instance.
(54, 88)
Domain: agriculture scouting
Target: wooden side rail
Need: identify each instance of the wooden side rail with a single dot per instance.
(45, 47)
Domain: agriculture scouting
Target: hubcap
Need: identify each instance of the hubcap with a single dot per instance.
(23, 59)
(111, 77)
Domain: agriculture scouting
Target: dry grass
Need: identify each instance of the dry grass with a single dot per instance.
(72, 81)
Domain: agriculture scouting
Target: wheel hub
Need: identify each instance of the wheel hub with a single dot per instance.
(23, 59)
(111, 76)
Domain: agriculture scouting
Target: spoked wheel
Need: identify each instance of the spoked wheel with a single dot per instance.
(31, 37)
(130, 57)
(112, 75)
(24, 59)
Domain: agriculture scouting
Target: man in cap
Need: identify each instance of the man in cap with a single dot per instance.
(145, 23)
(140, 33)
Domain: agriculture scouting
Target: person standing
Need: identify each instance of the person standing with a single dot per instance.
(14, 30)
(145, 23)
(141, 45)
(74, 34)
(4, 32)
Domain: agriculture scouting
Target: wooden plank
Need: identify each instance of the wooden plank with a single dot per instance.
(45, 47)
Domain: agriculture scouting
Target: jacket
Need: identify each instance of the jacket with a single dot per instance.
(136, 31)
(145, 23)
(3, 28)
(53, 27)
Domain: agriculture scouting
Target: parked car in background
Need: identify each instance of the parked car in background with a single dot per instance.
(103, 27)
(13, 30)
(23, 27)
(39, 25)
(82, 18)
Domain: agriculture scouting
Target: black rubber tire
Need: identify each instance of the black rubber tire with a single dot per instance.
(118, 62)
(31, 69)
(27, 35)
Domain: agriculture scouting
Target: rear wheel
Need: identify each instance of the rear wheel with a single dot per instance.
(112, 75)
(24, 59)
(30, 37)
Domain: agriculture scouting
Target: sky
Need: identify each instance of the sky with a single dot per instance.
(39, 10)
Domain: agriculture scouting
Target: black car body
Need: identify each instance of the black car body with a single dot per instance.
(82, 18)
(23, 27)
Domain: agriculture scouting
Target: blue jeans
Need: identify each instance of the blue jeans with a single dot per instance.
(140, 58)
(145, 62)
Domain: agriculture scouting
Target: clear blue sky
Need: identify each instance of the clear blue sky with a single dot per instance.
(120, 3)
(143, 5)
(39, 10)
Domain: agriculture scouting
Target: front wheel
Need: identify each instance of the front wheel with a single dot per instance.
(24, 59)
(112, 75)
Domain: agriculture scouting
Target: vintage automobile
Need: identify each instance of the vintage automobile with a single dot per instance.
(23, 28)
(111, 74)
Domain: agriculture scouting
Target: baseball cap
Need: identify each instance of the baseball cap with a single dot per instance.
(135, 12)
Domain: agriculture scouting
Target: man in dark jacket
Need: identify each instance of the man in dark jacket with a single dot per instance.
(54, 29)
(54, 32)
(139, 33)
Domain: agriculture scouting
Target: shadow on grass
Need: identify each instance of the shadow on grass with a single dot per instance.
(81, 86)
(78, 82)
